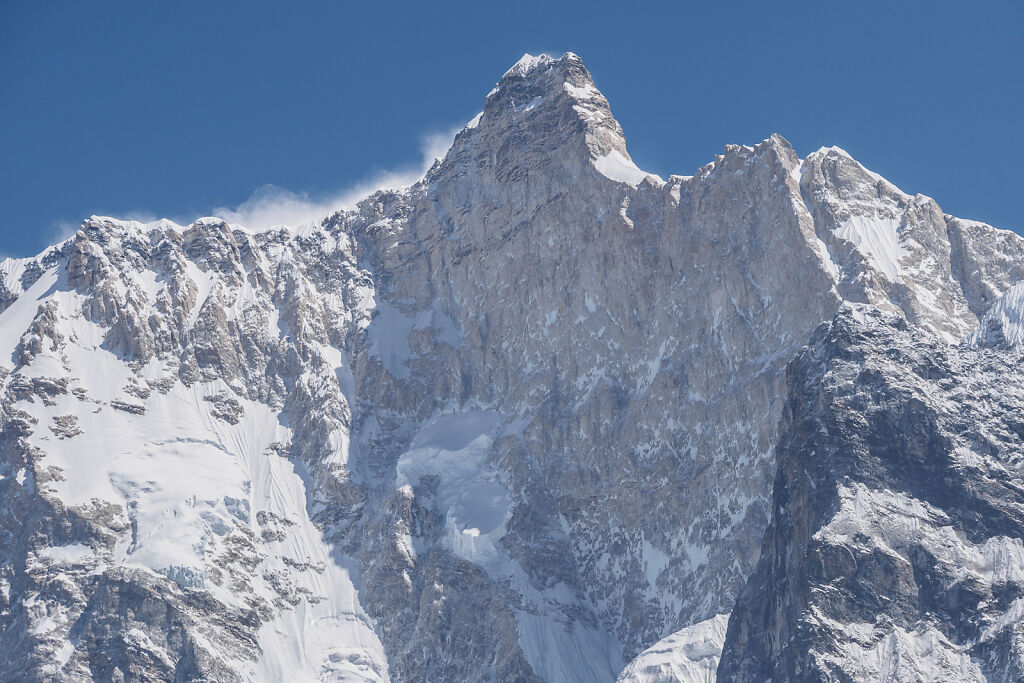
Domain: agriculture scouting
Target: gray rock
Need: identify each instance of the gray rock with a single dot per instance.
(894, 551)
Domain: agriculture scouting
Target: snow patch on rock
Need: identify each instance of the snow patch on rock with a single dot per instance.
(689, 655)
(616, 166)
(470, 493)
(878, 241)
(1003, 325)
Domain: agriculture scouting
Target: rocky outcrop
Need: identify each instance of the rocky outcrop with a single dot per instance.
(894, 551)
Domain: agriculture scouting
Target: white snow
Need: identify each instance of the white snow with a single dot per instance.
(616, 166)
(205, 282)
(877, 239)
(581, 92)
(1005, 318)
(328, 640)
(73, 553)
(11, 270)
(826, 258)
(127, 225)
(16, 318)
(472, 497)
(896, 523)
(471, 494)
(688, 656)
(566, 652)
(920, 655)
(533, 104)
(188, 481)
(526, 64)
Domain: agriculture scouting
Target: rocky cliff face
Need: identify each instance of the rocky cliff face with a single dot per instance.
(894, 551)
(518, 421)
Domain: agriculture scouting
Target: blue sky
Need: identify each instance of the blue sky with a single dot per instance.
(155, 109)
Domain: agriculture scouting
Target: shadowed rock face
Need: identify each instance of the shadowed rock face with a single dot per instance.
(518, 421)
(894, 551)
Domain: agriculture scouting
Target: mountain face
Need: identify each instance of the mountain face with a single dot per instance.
(895, 548)
(539, 416)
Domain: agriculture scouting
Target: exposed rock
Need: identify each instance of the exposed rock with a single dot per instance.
(225, 408)
(124, 406)
(65, 426)
(894, 551)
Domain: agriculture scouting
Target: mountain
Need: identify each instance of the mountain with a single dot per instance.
(527, 419)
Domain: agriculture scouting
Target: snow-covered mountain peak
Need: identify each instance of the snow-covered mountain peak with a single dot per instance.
(528, 63)
(569, 65)
(743, 158)
(110, 222)
(410, 441)
(838, 165)
(551, 109)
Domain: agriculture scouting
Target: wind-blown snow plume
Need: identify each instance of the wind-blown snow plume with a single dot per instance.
(271, 206)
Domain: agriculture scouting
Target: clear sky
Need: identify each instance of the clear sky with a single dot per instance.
(153, 109)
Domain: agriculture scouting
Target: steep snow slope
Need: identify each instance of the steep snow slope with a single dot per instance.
(182, 480)
(687, 656)
(515, 422)
(1003, 325)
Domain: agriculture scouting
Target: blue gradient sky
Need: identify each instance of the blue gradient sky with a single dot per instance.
(150, 108)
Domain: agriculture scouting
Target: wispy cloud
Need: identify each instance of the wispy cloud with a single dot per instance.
(63, 230)
(271, 206)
